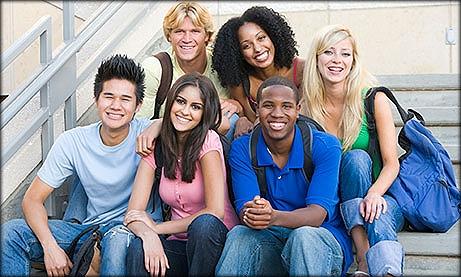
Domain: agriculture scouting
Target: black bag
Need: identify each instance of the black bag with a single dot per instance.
(85, 262)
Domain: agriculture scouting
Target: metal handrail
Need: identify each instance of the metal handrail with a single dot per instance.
(57, 79)
(10, 108)
(42, 26)
(9, 111)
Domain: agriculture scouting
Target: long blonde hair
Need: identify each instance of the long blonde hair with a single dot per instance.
(199, 15)
(314, 98)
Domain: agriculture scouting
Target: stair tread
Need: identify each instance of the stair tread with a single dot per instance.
(432, 244)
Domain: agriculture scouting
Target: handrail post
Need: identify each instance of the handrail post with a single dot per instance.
(70, 108)
(48, 126)
(68, 19)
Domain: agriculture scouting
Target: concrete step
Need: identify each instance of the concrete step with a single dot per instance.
(438, 107)
(430, 254)
(426, 266)
(431, 266)
(432, 244)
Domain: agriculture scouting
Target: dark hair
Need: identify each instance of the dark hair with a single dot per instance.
(228, 60)
(211, 119)
(278, 81)
(120, 67)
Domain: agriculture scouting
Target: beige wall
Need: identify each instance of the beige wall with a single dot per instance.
(17, 17)
(394, 37)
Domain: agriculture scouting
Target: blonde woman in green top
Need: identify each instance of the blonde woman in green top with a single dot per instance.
(333, 88)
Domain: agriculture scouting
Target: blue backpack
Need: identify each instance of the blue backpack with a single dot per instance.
(426, 187)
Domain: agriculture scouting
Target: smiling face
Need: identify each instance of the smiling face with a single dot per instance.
(116, 106)
(256, 46)
(189, 41)
(187, 109)
(335, 63)
(278, 111)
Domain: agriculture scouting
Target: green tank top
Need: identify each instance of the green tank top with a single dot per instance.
(363, 140)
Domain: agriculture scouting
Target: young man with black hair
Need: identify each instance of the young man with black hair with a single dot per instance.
(102, 156)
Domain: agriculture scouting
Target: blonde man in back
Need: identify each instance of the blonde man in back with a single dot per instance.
(188, 27)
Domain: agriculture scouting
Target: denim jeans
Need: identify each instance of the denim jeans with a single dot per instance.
(233, 121)
(20, 246)
(197, 256)
(278, 251)
(386, 255)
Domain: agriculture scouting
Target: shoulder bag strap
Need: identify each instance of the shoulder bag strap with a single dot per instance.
(70, 251)
(259, 170)
(306, 133)
(165, 81)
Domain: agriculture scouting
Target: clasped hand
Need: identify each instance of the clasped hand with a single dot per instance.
(258, 213)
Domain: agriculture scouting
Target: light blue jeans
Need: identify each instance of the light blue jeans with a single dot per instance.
(386, 254)
(278, 251)
(20, 246)
(233, 121)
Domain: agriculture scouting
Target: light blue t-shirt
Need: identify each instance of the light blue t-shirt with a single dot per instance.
(105, 172)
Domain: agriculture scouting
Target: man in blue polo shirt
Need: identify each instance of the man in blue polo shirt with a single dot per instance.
(297, 229)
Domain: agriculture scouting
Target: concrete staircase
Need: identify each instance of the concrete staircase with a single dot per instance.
(437, 98)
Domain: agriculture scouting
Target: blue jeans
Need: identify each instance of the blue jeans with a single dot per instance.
(233, 121)
(278, 251)
(197, 256)
(20, 246)
(386, 254)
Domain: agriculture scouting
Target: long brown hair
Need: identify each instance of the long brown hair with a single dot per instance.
(169, 139)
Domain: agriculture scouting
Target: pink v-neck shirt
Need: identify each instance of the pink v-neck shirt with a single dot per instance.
(186, 199)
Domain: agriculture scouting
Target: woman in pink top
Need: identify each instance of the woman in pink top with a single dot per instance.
(193, 184)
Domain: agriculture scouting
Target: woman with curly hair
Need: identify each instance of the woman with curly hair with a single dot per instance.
(248, 50)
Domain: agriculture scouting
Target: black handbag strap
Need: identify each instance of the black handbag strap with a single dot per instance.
(70, 251)
(165, 81)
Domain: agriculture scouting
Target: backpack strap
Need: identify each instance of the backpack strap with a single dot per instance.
(158, 155)
(92, 228)
(246, 86)
(165, 81)
(305, 124)
(85, 255)
(373, 146)
(246, 90)
(226, 148)
(259, 170)
(370, 103)
(306, 133)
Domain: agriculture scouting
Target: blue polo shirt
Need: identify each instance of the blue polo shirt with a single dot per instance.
(287, 188)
